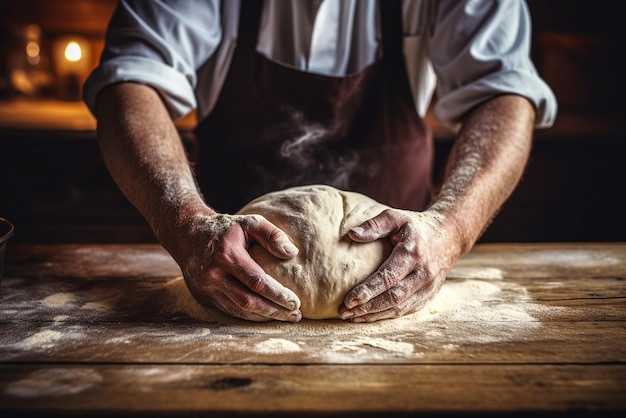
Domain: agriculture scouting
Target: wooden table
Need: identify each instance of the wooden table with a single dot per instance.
(517, 329)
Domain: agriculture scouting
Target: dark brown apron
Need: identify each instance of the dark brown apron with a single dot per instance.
(275, 127)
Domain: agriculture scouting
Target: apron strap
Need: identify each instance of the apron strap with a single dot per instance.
(394, 64)
(247, 36)
(392, 39)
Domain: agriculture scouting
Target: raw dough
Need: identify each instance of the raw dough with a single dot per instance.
(317, 219)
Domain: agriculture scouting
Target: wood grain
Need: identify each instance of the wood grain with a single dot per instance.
(517, 329)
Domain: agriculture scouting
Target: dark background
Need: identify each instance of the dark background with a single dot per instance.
(55, 188)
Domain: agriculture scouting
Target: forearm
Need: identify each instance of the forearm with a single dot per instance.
(484, 166)
(145, 156)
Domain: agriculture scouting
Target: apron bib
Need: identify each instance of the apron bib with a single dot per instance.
(275, 127)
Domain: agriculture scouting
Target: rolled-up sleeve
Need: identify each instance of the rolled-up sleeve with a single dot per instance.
(158, 43)
(480, 49)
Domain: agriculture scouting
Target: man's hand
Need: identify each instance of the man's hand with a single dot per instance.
(422, 255)
(485, 164)
(145, 156)
(219, 270)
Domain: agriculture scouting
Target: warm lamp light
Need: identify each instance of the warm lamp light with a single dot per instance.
(73, 52)
(72, 57)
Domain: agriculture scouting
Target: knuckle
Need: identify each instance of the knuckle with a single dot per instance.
(395, 312)
(423, 274)
(247, 304)
(373, 223)
(251, 221)
(257, 284)
(222, 256)
(388, 212)
(396, 215)
(275, 235)
(387, 277)
(396, 296)
(378, 221)
(407, 232)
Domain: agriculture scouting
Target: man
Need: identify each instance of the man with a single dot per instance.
(295, 92)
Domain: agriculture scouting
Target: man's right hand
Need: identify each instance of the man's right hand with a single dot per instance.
(219, 270)
(145, 156)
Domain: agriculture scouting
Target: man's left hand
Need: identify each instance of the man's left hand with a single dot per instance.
(423, 253)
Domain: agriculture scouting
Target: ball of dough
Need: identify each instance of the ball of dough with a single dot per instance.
(317, 219)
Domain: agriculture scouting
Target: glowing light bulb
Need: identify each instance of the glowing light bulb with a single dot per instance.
(73, 52)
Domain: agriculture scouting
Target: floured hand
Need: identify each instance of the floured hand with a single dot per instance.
(219, 270)
(422, 255)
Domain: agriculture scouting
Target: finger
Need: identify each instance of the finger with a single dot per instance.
(210, 292)
(413, 303)
(244, 303)
(232, 308)
(390, 299)
(396, 267)
(223, 303)
(272, 238)
(254, 278)
(382, 225)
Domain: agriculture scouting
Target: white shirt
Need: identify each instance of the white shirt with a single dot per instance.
(477, 49)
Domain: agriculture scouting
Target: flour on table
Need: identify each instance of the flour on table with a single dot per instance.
(57, 300)
(496, 310)
(469, 272)
(41, 338)
(379, 343)
(466, 300)
(276, 346)
(101, 305)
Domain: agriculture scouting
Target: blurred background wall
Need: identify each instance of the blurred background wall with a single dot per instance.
(54, 187)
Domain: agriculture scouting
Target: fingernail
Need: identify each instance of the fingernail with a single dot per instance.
(358, 230)
(347, 314)
(290, 249)
(352, 303)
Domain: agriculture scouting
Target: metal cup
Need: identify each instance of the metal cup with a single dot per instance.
(6, 232)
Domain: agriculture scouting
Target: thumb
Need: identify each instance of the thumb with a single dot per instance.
(377, 227)
(271, 238)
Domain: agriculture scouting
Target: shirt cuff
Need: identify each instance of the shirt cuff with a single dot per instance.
(174, 88)
(451, 107)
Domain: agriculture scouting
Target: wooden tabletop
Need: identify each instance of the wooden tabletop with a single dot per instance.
(110, 330)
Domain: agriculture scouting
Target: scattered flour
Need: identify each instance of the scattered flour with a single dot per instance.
(469, 272)
(100, 305)
(276, 346)
(468, 300)
(582, 258)
(158, 373)
(473, 307)
(57, 300)
(380, 343)
(466, 311)
(42, 338)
